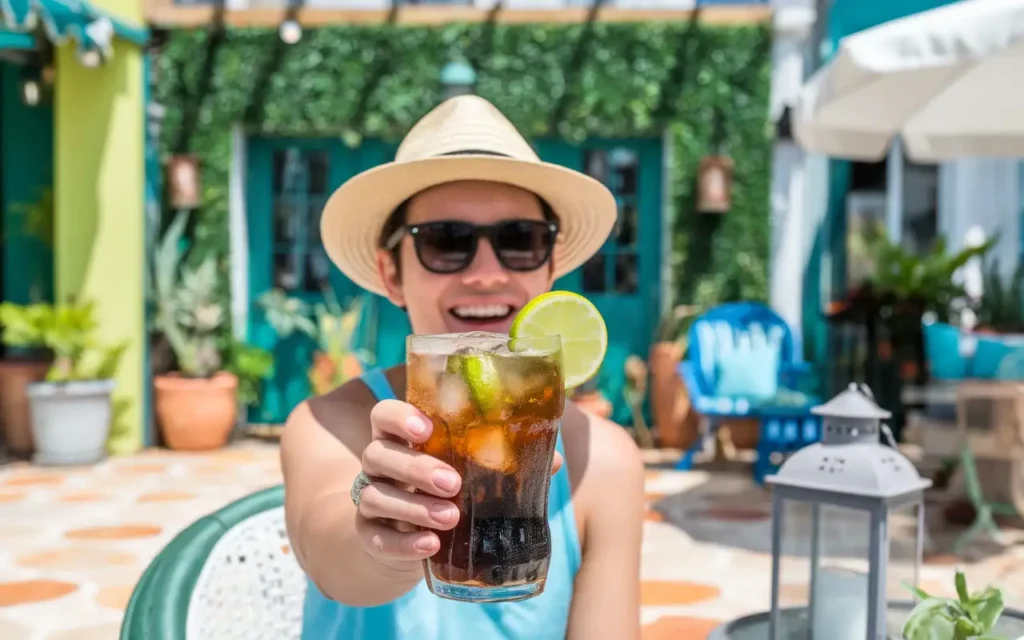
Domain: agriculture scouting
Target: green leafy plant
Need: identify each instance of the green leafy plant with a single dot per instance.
(652, 80)
(69, 331)
(675, 324)
(1001, 307)
(251, 365)
(287, 314)
(969, 616)
(189, 311)
(927, 279)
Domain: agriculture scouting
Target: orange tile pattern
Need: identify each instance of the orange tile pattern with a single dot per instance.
(32, 591)
(74, 541)
(661, 593)
(679, 628)
(114, 532)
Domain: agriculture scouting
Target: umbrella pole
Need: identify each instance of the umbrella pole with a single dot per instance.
(894, 192)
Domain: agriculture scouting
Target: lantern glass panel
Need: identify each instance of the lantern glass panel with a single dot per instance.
(904, 552)
(839, 600)
(794, 566)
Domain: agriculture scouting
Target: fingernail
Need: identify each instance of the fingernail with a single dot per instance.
(443, 512)
(416, 425)
(425, 543)
(446, 480)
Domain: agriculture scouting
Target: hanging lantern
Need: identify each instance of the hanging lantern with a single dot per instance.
(714, 184)
(183, 182)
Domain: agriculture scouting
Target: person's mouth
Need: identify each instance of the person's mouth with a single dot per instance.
(482, 317)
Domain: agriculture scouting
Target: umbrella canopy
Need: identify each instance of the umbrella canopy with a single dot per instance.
(949, 82)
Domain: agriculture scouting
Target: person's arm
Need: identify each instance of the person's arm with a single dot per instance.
(606, 599)
(350, 554)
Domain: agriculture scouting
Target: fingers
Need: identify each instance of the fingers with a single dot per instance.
(395, 419)
(556, 463)
(390, 545)
(381, 500)
(396, 461)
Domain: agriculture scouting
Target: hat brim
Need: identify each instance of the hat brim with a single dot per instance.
(355, 214)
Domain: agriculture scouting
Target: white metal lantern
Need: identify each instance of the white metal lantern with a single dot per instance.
(847, 501)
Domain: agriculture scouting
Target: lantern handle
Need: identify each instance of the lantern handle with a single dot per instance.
(888, 436)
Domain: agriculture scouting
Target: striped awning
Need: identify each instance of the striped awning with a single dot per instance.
(62, 21)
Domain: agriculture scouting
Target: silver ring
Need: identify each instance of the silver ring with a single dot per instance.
(361, 482)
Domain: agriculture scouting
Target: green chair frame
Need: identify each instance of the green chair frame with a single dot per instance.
(159, 605)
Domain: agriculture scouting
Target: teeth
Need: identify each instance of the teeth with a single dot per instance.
(483, 311)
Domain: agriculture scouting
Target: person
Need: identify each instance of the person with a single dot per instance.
(461, 230)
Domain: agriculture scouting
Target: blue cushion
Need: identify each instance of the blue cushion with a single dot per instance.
(942, 349)
(752, 374)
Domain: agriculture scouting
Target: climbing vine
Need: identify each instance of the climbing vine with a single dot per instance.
(704, 88)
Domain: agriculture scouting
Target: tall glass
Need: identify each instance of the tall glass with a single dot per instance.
(496, 406)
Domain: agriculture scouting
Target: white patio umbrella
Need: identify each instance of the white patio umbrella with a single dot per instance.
(949, 82)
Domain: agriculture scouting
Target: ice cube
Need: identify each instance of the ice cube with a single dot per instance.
(453, 399)
(489, 448)
(482, 342)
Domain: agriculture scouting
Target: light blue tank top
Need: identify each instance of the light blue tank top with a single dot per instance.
(420, 615)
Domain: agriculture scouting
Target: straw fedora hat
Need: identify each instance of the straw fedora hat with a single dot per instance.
(463, 138)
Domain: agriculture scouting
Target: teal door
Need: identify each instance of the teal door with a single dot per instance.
(623, 279)
(290, 179)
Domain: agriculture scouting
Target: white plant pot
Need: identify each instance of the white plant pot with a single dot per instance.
(70, 421)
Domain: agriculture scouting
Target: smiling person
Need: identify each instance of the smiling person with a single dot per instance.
(464, 228)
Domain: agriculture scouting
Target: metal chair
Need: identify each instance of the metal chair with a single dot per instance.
(230, 574)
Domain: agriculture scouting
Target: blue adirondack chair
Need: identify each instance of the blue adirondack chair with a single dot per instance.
(742, 356)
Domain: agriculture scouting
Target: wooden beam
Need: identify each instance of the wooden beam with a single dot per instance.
(164, 13)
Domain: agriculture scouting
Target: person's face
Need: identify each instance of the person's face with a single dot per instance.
(485, 296)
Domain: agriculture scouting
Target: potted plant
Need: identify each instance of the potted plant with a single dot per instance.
(71, 410)
(332, 325)
(674, 419)
(26, 361)
(197, 403)
(968, 616)
(588, 397)
(252, 366)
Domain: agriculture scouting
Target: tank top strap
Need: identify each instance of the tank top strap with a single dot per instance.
(378, 384)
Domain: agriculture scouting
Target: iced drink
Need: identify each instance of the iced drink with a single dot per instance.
(496, 406)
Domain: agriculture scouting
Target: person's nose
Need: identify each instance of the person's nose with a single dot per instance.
(485, 270)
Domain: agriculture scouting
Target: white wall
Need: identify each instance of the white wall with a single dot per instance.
(791, 226)
(985, 192)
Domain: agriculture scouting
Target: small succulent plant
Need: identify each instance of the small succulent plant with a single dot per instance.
(969, 616)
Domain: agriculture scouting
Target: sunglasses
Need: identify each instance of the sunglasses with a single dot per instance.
(450, 246)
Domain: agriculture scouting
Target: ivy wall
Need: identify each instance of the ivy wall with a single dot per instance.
(706, 86)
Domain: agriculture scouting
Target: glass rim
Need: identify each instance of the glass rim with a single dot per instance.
(448, 343)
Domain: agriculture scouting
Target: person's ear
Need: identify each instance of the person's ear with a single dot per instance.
(389, 274)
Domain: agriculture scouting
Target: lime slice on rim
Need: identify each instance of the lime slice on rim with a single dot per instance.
(578, 322)
(480, 372)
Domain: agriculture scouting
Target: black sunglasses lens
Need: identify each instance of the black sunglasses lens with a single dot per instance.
(523, 245)
(445, 247)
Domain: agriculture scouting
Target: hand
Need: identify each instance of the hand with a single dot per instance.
(398, 470)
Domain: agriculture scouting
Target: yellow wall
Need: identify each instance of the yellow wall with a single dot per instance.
(99, 173)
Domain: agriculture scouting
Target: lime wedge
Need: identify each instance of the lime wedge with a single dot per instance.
(578, 322)
(480, 372)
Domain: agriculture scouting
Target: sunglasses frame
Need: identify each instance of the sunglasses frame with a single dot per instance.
(486, 231)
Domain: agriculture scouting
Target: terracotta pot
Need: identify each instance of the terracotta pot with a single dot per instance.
(593, 402)
(15, 376)
(675, 419)
(743, 433)
(196, 414)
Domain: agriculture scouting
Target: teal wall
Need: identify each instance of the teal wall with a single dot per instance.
(27, 169)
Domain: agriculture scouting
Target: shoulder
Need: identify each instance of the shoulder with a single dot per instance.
(341, 415)
(605, 465)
